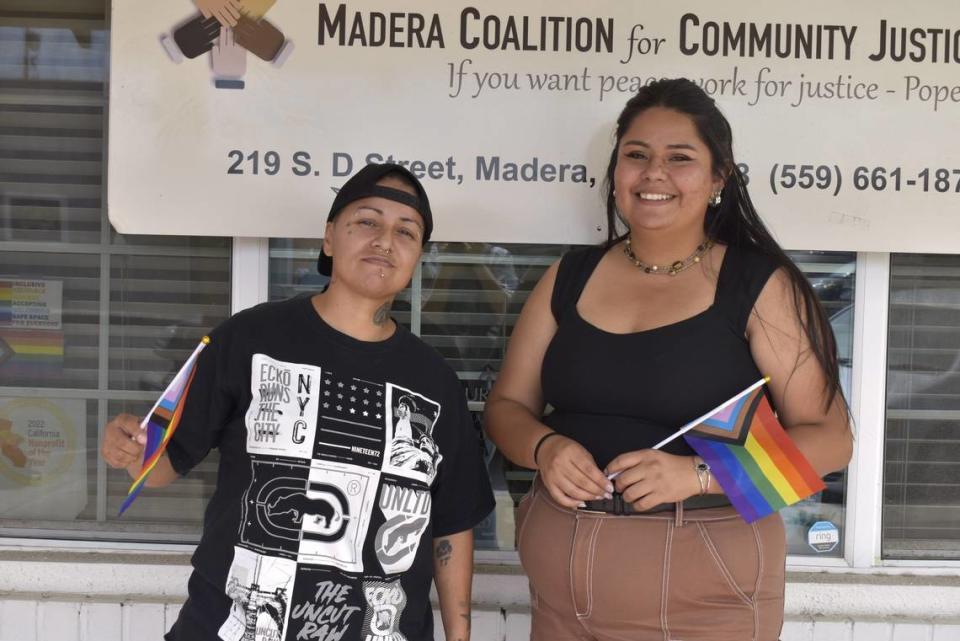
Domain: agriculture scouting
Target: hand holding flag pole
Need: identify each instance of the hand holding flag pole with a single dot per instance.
(697, 421)
(162, 420)
(750, 454)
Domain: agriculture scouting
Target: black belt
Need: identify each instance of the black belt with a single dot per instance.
(619, 507)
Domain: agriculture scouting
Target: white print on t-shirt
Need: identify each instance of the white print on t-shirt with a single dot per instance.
(385, 604)
(351, 425)
(324, 609)
(274, 507)
(407, 513)
(260, 588)
(282, 417)
(333, 531)
(411, 451)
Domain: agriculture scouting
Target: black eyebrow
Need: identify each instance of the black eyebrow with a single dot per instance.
(402, 219)
(414, 221)
(678, 145)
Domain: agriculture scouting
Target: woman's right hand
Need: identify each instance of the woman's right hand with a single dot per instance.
(122, 447)
(123, 442)
(570, 474)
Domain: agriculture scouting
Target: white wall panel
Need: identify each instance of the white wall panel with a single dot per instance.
(946, 632)
(18, 620)
(872, 631)
(517, 625)
(100, 622)
(832, 630)
(141, 622)
(51, 620)
(912, 632)
(797, 631)
(58, 620)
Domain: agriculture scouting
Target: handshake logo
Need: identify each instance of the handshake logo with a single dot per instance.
(227, 30)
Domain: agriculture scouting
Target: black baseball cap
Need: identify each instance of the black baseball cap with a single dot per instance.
(363, 184)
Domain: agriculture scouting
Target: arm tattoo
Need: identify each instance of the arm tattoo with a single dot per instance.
(382, 315)
(465, 615)
(444, 551)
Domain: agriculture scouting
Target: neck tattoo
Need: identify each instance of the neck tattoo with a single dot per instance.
(382, 315)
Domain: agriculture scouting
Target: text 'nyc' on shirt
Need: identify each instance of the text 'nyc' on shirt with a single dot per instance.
(340, 461)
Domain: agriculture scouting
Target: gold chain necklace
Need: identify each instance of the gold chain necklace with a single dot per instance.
(673, 268)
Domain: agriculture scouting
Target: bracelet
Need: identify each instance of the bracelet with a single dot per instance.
(536, 449)
(703, 470)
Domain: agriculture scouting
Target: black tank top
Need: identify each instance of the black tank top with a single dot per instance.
(615, 393)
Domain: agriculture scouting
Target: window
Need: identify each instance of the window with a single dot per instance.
(921, 493)
(465, 299)
(92, 322)
(815, 526)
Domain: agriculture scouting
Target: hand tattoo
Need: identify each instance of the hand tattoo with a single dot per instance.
(444, 551)
(382, 315)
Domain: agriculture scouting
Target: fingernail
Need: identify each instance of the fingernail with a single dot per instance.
(598, 497)
(141, 439)
(609, 488)
(581, 504)
(608, 496)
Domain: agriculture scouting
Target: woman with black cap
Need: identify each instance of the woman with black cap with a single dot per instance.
(315, 530)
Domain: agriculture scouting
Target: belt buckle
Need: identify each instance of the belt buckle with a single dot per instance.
(597, 507)
(618, 504)
(589, 511)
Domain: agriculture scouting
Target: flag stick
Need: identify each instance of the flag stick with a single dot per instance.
(196, 351)
(692, 424)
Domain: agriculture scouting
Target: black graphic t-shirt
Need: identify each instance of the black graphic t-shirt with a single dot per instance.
(340, 461)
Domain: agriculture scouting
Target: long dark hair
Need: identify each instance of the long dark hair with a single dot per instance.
(735, 221)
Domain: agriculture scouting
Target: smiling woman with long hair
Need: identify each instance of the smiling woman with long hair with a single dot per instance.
(691, 303)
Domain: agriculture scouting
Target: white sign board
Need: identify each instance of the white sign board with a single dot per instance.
(844, 114)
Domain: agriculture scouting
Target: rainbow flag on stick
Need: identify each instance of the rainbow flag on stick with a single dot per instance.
(751, 455)
(162, 421)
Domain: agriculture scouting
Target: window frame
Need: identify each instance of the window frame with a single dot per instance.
(863, 510)
(917, 565)
(812, 562)
(862, 542)
(102, 394)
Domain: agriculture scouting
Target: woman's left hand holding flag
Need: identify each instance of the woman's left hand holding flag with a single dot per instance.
(647, 478)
